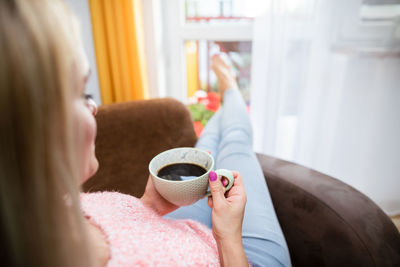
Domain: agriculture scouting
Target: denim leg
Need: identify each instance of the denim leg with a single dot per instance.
(210, 138)
(263, 239)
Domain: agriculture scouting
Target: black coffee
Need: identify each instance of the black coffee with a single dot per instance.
(181, 171)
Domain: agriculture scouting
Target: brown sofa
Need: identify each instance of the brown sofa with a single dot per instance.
(325, 222)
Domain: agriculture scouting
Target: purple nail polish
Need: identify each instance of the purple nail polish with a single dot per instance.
(224, 182)
(213, 176)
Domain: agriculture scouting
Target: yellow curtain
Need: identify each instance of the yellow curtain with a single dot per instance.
(192, 67)
(119, 42)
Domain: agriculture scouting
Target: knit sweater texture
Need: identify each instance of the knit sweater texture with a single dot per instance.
(138, 236)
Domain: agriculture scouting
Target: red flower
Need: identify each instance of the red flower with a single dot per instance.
(198, 128)
(213, 101)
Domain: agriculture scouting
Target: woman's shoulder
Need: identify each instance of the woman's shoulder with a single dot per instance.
(111, 203)
(107, 197)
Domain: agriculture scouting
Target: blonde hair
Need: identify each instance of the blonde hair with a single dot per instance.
(41, 221)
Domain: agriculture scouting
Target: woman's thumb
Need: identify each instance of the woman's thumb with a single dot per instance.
(216, 188)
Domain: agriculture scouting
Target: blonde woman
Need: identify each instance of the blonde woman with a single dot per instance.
(47, 150)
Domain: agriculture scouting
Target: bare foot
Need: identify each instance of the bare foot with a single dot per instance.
(225, 76)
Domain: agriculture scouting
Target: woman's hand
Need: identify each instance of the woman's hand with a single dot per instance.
(227, 218)
(227, 212)
(154, 200)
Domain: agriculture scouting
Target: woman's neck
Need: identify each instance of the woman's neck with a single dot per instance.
(99, 243)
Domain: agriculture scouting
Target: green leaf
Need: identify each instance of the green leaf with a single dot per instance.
(200, 113)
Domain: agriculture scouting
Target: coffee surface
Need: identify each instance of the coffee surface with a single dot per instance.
(181, 171)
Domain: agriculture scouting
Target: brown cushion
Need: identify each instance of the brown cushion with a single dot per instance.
(130, 135)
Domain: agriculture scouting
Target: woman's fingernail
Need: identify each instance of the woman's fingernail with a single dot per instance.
(213, 176)
(224, 182)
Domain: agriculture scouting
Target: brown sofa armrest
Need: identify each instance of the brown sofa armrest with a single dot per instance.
(326, 222)
(130, 134)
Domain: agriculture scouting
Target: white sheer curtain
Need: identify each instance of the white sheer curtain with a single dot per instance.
(326, 91)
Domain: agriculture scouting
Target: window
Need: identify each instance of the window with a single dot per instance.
(195, 30)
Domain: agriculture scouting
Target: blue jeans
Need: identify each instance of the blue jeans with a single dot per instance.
(228, 135)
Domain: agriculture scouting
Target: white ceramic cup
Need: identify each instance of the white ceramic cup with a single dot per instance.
(184, 193)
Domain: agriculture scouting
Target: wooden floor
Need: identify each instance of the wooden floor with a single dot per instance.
(396, 221)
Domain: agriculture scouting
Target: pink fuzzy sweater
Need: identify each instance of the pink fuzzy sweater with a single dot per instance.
(139, 237)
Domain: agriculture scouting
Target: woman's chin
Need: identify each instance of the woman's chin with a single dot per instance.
(90, 170)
